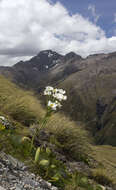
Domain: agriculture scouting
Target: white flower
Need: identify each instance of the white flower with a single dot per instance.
(55, 97)
(64, 97)
(61, 91)
(55, 90)
(52, 105)
(46, 92)
(58, 104)
(2, 118)
(58, 96)
(49, 88)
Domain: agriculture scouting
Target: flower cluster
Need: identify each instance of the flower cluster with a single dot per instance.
(48, 91)
(55, 97)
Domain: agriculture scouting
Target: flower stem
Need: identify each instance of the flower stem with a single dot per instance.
(42, 125)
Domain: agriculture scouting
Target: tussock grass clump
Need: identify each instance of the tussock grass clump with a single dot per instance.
(106, 155)
(20, 105)
(101, 176)
(74, 139)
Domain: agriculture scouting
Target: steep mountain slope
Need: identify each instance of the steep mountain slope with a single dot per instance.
(95, 96)
(90, 84)
(69, 142)
(41, 69)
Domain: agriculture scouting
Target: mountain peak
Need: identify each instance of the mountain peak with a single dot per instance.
(48, 53)
(72, 55)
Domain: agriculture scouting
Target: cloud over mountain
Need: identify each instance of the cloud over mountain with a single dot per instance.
(28, 26)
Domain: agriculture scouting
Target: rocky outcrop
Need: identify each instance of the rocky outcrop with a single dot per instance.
(14, 175)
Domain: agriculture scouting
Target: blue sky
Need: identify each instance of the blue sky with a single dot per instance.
(105, 8)
(30, 26)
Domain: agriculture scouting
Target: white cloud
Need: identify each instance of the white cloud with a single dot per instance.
(94, 14)
(28, 26)
(7, 60)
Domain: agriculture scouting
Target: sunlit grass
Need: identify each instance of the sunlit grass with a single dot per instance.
(74, 138)
(20, 105)
(23, 107)
(106, 155)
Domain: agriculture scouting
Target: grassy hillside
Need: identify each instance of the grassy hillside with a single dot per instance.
(23, 108)
(94, 103)
(18, 104)
(68, 139)
(107, 156)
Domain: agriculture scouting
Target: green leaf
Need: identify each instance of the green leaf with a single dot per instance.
(2, 127)
(44, 163)
(48, 151)
(84, 180)
(98, 187)
(55, 178)
(37, 154)
(53, 166)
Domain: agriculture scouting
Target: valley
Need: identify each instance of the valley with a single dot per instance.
(90, 84)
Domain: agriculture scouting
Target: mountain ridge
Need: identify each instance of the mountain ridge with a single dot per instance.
(90, 84)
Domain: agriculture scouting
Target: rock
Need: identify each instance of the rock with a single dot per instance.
(44, 136)
(15, 176)
(1, 188)
(6, 123)
(79, 166)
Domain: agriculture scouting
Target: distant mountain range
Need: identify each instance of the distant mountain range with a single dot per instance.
(41, 69)
(90, 85)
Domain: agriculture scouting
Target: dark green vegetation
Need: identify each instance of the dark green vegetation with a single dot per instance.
(61, 142)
